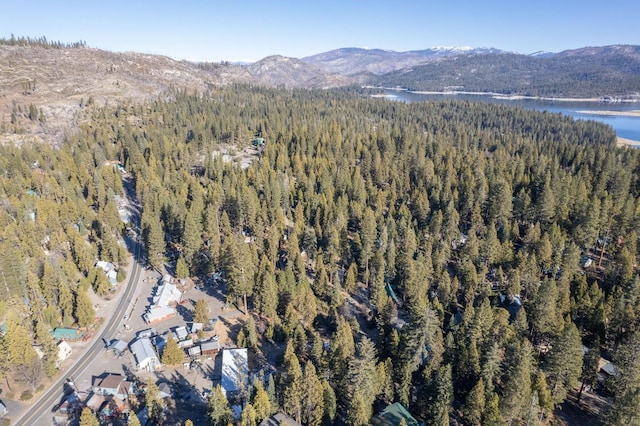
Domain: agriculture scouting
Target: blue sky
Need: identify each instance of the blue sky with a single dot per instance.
(239, 30)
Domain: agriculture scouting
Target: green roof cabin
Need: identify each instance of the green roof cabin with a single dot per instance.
(258, 142)
(393, 415)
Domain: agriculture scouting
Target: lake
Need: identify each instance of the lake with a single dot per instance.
(625, 127)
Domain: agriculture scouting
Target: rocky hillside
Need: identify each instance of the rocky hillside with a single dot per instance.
(290, 72)
(44, 90)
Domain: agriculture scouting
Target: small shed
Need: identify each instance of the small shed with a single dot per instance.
(259, 142)
(118, 347)
(183, 344)
(210, 348)
(194, 351)
(181, 332)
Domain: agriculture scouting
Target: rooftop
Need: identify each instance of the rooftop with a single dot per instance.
(235, 370)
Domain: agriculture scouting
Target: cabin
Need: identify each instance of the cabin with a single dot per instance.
(393, 415)
(113, 385)
(279, 419)
(209, 348)
(258, 142)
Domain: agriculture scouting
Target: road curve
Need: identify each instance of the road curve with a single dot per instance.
(43, 405)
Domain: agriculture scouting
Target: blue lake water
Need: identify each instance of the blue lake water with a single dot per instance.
(625, 127)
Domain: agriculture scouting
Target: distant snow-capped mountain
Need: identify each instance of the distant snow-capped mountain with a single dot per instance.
(353, 60)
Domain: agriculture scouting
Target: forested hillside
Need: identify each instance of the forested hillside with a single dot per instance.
(473, 216)
(583, 73)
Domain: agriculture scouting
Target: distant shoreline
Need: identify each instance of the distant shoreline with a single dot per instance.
(600, 100)
(634, 113)
(627, 142)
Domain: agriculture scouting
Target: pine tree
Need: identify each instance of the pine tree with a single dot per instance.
(182, 270)
(474, 404)
(218, 408)
(261, 403)
(239, 270)
(564, 363)
(152, 400)
(313, 403)
(266, 298)
(201, 311)
(133, 419)
(87, 418)
(251, 333)
(292, 384)
(19, 348)
(351, 277)
(330, 403)
(361, 375)
(153, 239)
(443, 387)
(191, 238)
(357, 412)
(172, 354)
(49, 348)
(625, 409)
(516, 395)
(248, 416)
(84, 311)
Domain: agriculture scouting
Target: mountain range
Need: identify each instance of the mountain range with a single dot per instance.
(60, 81)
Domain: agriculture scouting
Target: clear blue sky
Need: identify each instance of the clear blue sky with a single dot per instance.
(250, 30)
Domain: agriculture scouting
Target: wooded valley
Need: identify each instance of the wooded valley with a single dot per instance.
(428, 253)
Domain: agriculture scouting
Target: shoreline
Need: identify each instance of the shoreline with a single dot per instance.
(634, 113)
(627, 142)
(502, 96)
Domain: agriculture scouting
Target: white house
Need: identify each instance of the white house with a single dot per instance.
(108, 269)
(114, 385)
(235, 372)
(145, 356)
(64, 350)
(163, 306)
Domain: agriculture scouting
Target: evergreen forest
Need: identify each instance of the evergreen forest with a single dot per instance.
(426, 253)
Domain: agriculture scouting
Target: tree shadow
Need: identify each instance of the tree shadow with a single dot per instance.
(186, 402)
(184, 312)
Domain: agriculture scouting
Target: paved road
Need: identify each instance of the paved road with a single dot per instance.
(40, 412)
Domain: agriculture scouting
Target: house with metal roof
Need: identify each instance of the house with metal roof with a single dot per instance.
(118, 347)
(144, 354)
(210, 347)
(164, 301)
(235, 372)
